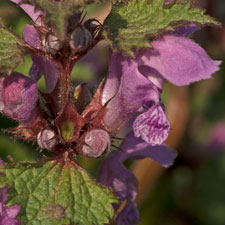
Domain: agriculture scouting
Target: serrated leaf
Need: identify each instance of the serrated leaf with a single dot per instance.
(57, 192)
(58, 11)
(131, 25)
(11, 54)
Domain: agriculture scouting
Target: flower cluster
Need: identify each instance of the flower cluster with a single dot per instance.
(131, 91)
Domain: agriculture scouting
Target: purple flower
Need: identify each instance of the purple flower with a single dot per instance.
(18, 97)
(114, 174)
(48, 69)
(127, 90)
(132, 88)
(7, 213)
(135, 85)
(40, 65)
(152, 126)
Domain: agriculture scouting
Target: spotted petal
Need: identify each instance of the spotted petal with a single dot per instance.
(152, 126)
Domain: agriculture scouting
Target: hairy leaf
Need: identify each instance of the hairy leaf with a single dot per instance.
(11, 53)
(57, 192)
(132, 25)
(58, 11)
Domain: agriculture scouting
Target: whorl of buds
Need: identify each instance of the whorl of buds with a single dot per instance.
(18, 97)
(47, 139)
(81, 39)
(96, 143)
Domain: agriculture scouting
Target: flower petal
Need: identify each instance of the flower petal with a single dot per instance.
(152, 126)
(49, 70)
(12, 211)
(29, 9)
(7, 213)
(31, 37)
(129, 215)
(134, 91)
(35, 72)
(3, 194)
(112, 84)
(18, 97)
(179, 60)
(133, 147)
(113, 174)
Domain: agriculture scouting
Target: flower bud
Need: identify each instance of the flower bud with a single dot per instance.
(81, 39)
(18, 97)
(51, 44)
(96, 142)
(94, 27)
(47, 139)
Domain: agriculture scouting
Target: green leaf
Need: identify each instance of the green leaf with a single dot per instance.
(57, 192)
(132, 25)
(11, 52)
(57, 12)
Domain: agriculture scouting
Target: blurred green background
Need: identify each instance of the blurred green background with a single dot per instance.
(192, 191)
